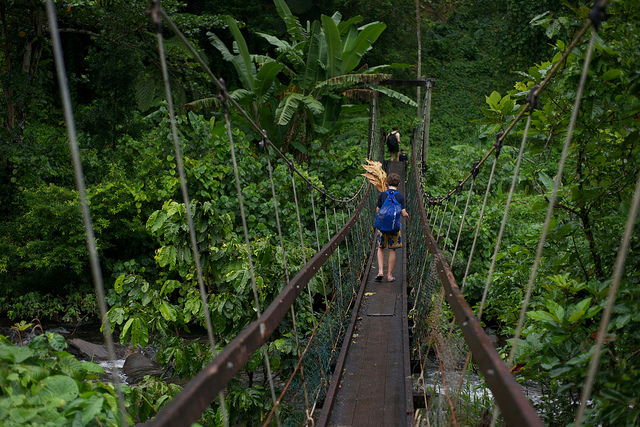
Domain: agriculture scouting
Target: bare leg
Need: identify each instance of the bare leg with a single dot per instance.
(380, 262)
(392, 262)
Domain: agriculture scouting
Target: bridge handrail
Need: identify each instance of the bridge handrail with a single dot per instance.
(515, 406)
(187, 406)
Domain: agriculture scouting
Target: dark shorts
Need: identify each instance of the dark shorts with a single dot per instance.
(391, 241)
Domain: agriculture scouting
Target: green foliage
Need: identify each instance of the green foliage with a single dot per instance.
(45, 246)
(149, 396)
(43, 385)
(319, 63)
(72, 308)
(558, 343)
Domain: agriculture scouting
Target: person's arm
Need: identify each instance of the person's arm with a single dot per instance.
(377, 209)
(405, 214)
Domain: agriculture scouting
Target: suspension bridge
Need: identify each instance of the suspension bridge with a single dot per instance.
(365, 361)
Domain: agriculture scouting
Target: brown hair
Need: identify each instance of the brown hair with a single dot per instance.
(393, 179)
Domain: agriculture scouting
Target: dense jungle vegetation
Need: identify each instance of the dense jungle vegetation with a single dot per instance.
(485, 55)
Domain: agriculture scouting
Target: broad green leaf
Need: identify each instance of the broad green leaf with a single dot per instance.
(612, 74)
(126, 329)
(348, 38)
(60, 389)
(548, 182)
(168, 311)
(56, 341)
(334, 46)
(313, 105)
(156, 221)
(395, 95)
(265, 79)
(92, 407)
(367, 36)
(556, 309)
(287, 108)
(119, 283)
(493, 100)
(309, 74)
(139, 333)
(293, 26)
(92, 367)
(276, 42)
(542, 316)
(222, 48)
(559, 371)
(245, 67)
(15, 354)
(579, 310)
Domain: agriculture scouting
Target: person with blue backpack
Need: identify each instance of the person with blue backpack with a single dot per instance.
(389, 213)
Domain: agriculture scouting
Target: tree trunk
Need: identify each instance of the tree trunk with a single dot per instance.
(588, 232)
(8, 92)
(419, 53)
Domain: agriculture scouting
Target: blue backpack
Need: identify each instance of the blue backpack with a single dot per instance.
(388, 218)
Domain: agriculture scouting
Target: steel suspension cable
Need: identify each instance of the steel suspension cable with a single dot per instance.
(453, 212)
(536, 90)
(94, 261)
(558, 179)
(514, 182)
(335, 221)
(286, 272)
(623, 252)
(302, 244)
(484, 205)
(464, 215)
(315, 225)
(224, 97)
(444, 213)
(157, 19)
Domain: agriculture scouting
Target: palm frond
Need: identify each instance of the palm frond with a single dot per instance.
(222, 48)
(376, 175)
(199, 104)
(351, 80)
(287, 108)
(395, 95)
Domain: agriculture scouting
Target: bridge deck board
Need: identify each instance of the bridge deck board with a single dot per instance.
(372, 385)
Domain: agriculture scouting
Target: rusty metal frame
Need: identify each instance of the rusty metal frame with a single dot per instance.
(515, 406)
(186, 407)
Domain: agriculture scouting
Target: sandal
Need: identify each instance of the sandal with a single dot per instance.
(379, 277)
(390, 278)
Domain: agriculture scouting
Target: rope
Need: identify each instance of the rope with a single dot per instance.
(96, 270)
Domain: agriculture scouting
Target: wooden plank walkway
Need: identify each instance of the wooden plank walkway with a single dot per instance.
(371, 385)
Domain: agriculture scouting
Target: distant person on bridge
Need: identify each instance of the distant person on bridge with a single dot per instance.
(403, 155)
(390, 239)
(393, 144)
